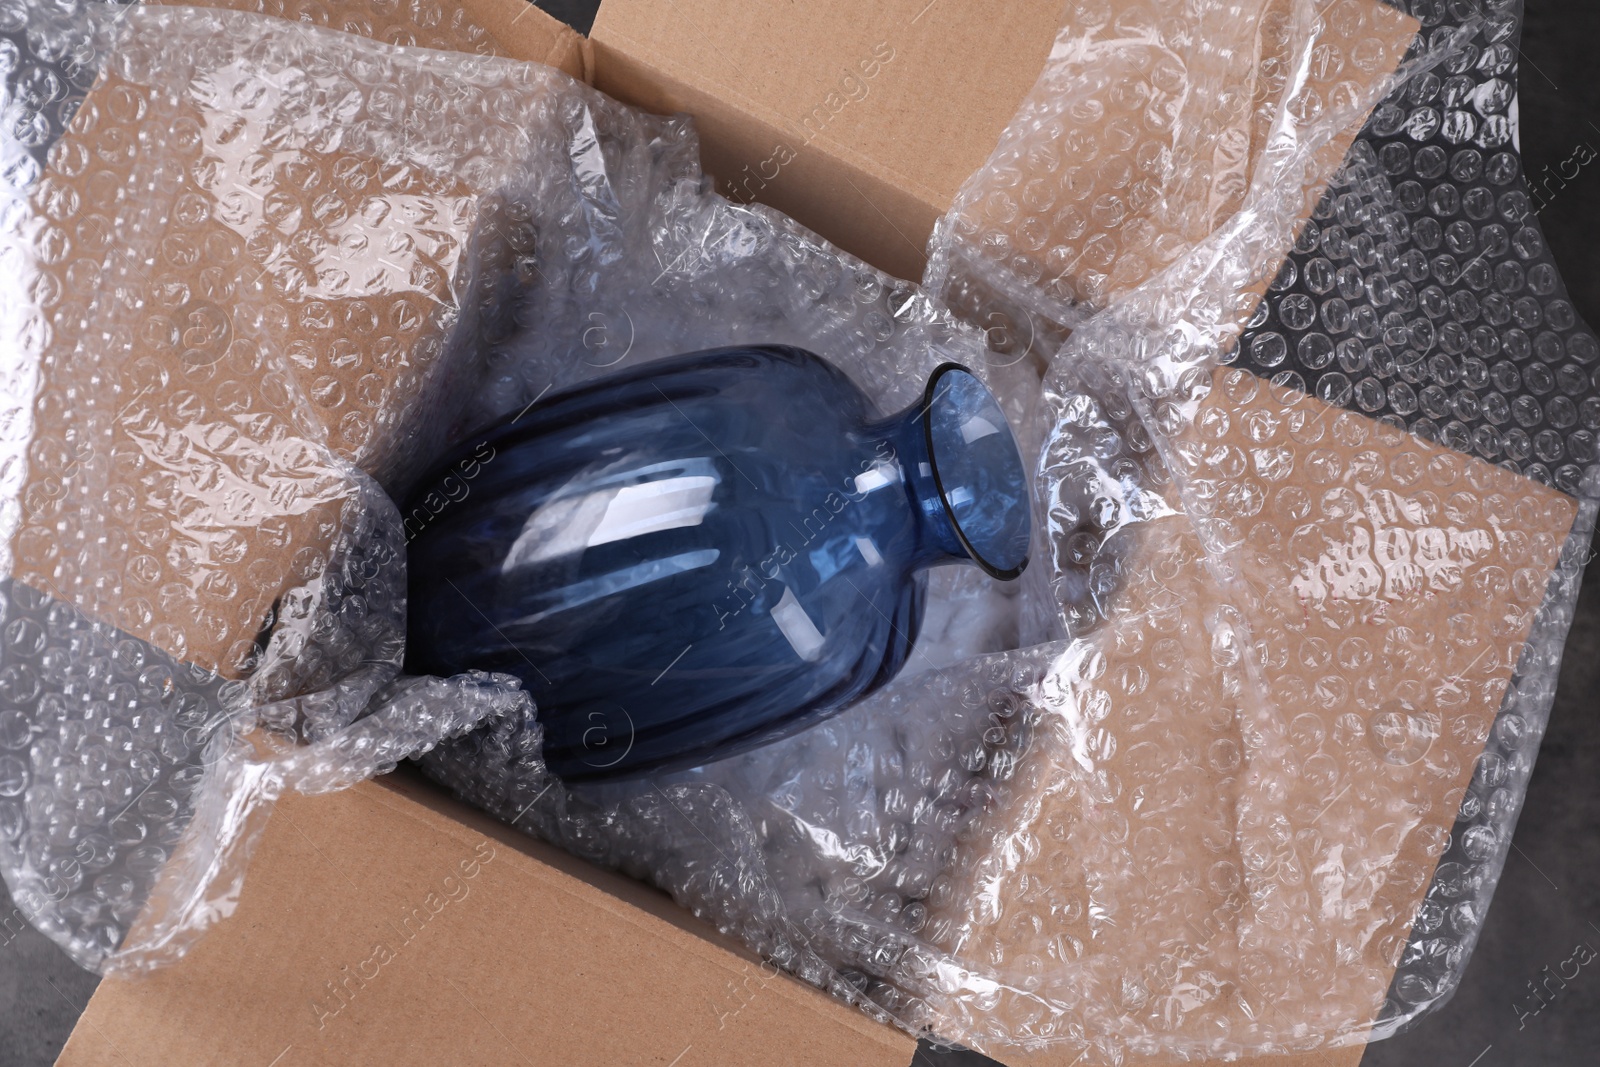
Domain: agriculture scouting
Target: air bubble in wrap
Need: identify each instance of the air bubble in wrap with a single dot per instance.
(1315, 601)
(228, 266)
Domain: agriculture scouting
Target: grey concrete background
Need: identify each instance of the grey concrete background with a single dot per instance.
(1549, 897)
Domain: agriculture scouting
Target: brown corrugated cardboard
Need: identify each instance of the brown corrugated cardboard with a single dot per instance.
(822, 111)
(525, 32)
(387, 925)
(162, 562)
(859, 120)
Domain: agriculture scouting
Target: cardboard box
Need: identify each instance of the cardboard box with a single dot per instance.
(389, 924)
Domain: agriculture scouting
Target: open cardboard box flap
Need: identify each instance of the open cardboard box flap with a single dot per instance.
(819, 109)
(389, 924)
(523, 31)
(860, 120)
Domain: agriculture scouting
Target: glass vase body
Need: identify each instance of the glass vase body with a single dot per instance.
(707, 553)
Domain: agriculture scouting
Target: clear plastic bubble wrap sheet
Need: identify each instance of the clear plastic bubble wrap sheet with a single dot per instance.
(261, 271)
(1319, 496)
(231, 247)
(1196, 791)
(1233, 770)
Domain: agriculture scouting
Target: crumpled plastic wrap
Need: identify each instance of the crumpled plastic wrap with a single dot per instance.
(1315, 600)
(250, 290)
(1234, 770)
(1189, 794)
(228, 270)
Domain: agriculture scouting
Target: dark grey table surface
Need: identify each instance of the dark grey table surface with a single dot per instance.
(1549, 897)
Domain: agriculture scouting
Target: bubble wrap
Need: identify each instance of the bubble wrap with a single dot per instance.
(239, 274)
(1196, 794)
(229, 267)
(1186, 794)
(1317, 602)
(1232, 771)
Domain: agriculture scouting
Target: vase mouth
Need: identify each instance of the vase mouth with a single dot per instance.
(978, 471)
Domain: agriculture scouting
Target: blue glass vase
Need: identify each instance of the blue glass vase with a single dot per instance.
(707, 553)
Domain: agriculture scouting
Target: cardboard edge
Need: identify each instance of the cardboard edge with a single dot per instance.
(617, 43)
(83, 1045)
(863, 198)
(413, 801)
(409, 795)
(529, 33)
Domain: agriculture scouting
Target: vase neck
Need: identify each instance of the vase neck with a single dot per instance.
(964, 476)
(937, 539)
